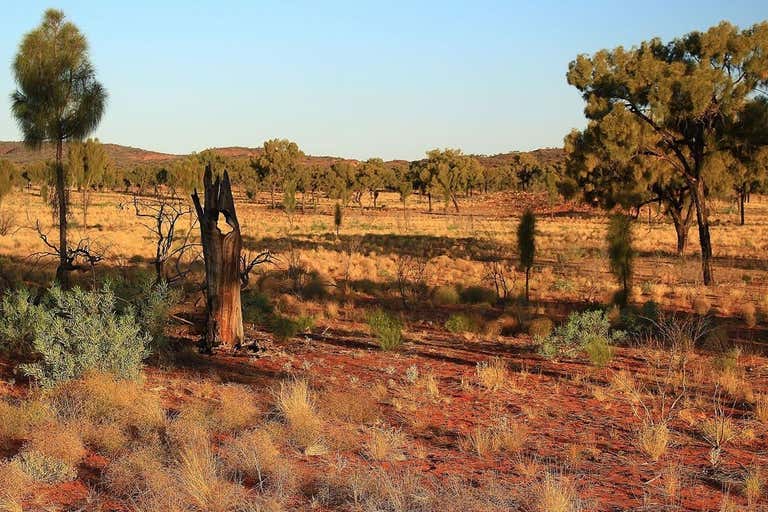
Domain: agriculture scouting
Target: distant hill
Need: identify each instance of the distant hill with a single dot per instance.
(18, 153)
(126, 156)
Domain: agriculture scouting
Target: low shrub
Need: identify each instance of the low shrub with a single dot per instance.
(315, 287)
(19, 318)
(591, 328)
(458, 323)
(75, 332)
(257, 307)
(387, 329)
(285, 328)
(477, 295)
(153, 308)
(445, 296)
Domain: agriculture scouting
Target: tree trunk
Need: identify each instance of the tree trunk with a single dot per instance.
(702, 217)
(62, 272)
(527, 279)
(85, 199)
(455, 202)
(742, 200)
(429, 197)
(224, 324)
(682, 225)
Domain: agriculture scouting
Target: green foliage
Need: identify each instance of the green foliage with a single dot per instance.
(588, 328)
(74, 332)
(19, 318)
(598, 351)
(387, 329)
(47, 107)
(477, 295)
(257, 307)
(338, 217)
(662, 110)
(621, 253)
(285, 328)
(526, 239)
(458, 323)
(153, 309)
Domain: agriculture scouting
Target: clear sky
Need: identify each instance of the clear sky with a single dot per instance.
(355, 79)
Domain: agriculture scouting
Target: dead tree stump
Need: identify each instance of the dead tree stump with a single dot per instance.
(224, 313)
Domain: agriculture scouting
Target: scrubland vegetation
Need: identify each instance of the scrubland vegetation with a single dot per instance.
(515, 348)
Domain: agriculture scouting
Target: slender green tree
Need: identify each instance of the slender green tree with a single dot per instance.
(338, 217)
(526, 246)
(621, 254)
(88, 165)
(668, 100)
(57, 100)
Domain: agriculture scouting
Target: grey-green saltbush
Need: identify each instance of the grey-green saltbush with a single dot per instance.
(588, 331)
(72, 332)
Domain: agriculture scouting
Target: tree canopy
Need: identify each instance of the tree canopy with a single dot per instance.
(668, 101)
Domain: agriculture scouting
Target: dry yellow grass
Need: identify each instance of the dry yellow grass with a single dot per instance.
(201, 484)
(253, 454)
(236, 409)
(556, 494)
(384, 444)
(358, 408)
(57, 441)
(653, 439)
(560, 241)
(102, 398)
(15, 485)
(493, 375)
(296, 406)
(507, 435)
(753, 485)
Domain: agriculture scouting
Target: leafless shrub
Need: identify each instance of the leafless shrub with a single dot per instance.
(501, 275)
(411, 277)
(7, 223)
(163, 220)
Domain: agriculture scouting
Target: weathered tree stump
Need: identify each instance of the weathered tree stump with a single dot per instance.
(224, 314)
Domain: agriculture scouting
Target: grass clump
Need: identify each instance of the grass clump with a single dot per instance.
(492, 375)
(296, 405)
(253, 455)
(45, 469)
(236, 409)
(556, 494)
(507, 436)
(387, 329)
(385, 444)
(539, 328)
(653, 439)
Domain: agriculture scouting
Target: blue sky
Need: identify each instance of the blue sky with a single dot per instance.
(355, 79)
